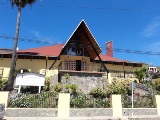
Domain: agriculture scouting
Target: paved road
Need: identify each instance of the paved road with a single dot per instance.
(85, 118)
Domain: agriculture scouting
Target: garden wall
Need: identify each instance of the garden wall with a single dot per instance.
(87, 112)
(85, 81)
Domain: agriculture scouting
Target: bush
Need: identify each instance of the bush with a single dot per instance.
(156, 86)
(3, 83)
(98, 92)
(58, 87)
(73, 87)
(78, 101)
(43, 100)
(100, 103)
(47, 84)
(120, 86)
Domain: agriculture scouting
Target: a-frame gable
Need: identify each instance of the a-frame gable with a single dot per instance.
(85, 37)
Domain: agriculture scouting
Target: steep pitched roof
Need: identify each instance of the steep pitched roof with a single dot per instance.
(87, 39)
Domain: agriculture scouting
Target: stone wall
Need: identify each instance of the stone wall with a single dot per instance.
(86, 112)
(91, 112)
(85, 81)
(54, 79)
(139, 111)
(31, 112)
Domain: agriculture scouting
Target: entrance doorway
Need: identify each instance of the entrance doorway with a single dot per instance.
(78, 65)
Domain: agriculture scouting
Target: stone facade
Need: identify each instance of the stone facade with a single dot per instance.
(85, 81)
(139, 111)
(31, 112)
(86, 112)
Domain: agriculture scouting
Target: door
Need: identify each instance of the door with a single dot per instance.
(78, 65)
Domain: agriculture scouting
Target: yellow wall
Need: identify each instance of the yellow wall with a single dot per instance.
(120, 67)
(36, 66)
(39, 65)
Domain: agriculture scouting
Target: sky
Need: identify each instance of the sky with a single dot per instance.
(130, 24)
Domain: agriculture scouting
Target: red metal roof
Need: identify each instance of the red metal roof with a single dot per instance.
(53, 50)
(108, 58)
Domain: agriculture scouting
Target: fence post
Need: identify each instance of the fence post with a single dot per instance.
(156, 103)
(116, 105)
(4, 98)
(63, 105)
(109, 78)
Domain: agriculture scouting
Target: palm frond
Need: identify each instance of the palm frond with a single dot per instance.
(22, 3)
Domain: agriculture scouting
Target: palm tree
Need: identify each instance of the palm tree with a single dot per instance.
(20, 4)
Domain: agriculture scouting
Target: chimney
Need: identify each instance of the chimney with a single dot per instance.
(109, 49)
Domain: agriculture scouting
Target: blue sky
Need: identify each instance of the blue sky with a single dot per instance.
(131, 24)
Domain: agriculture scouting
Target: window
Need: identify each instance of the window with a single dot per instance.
(76, 65)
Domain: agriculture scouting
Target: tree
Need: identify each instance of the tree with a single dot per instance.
(20, 4)
(141, 73)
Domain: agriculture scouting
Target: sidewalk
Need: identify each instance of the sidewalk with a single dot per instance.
(151, 117)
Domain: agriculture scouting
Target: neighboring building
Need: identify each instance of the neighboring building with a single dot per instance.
(80, 57)
(152, 69)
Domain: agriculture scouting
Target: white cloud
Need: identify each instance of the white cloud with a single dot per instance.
(152, 27)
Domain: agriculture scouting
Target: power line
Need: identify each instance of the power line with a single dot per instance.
(27, 39)
(102, 48)
(91, 7)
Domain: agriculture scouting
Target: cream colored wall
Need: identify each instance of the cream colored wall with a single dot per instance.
(112, 76)
(36, 65)
(120, 67)
(5, 73)
(4, 97)
(5, 64)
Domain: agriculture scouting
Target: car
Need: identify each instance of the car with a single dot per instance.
(2, 111)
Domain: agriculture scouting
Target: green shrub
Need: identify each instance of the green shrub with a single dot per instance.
(98, 92)
(3, 82)
(67, 76)
(73, 87)
(100, 103)
(120, 86)
(126, 101)
(47, 84)
(156, 86)
(78, 101)
(145, 101)
(43, 100)
(67, 88)
(58, 87)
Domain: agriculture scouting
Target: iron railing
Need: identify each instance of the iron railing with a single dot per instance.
(43, 100)
(139, 101)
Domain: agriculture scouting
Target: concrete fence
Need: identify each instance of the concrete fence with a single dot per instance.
(64, 109)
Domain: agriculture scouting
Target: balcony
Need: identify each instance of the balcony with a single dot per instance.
(78, 66)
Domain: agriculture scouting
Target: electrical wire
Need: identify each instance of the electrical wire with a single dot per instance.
(91, 7)
(39, 41)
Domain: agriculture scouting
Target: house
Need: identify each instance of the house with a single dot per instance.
(80, 57)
